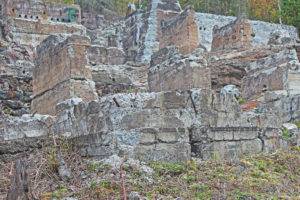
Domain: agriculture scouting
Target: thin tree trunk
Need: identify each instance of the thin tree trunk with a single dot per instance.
(19, 183)
(279, 8)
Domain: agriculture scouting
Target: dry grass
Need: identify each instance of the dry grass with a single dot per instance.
(275, 176)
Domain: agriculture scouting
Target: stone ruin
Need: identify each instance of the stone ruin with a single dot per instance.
(150, 86)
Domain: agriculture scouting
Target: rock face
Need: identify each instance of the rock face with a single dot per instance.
(158, 82)
(168, 126)
(163, 24)
(279, 71)
(61, 72)
(234, 35)
(170, 70)
(260, 31)
(21, 134)
(30, 22)
(37, 9)
(181, 31)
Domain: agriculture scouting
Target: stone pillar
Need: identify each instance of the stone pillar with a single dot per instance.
(61, 73)
(236, 34)
(181, 31)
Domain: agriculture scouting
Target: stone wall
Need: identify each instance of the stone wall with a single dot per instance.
(236, 34)
(181, 31)
(260, 31)
(165, 126)
(16, 63)
(25, 133)
(29, 22)
(61, 72)
(33, 32)
(38, 9)
(170, 70)
(278, 71)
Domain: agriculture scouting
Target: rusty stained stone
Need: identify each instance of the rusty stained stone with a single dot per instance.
(236, 34)
(181, 31)
(177, 72)
(61, 73)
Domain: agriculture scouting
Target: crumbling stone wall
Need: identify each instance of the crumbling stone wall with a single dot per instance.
(161, 25)
(260, 31)
(165, 126)
(236, 34)
(229, 66)
(16, 63)
(181, 31)
(38, 9)
(61, 72)
(278, 71)
(29, 22)
(170, 70)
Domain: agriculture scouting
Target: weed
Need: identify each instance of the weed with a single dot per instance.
(241, 100)
(286, 134)
(92, 185)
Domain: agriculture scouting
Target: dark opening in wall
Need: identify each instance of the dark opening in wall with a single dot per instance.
(31, 16)
(37, 17)
(25, 16)
(57, 19)
(20, 15)
(51, 18)
(63, 20)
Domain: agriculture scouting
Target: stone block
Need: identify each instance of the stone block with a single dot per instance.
(236, 34)
(76, 118)
(61, 73)
(272, 144)
(228, 149)
(26, 127)
(181, 31)
(271, 73)
(102, 55)
(173, 153)
(172, 135)
(179, 73)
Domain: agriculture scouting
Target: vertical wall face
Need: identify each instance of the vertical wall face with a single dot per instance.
(29, 22)
(61, 73)
(234, 35)
(38, 9)
(161, 25)
(172, 71)
(261, 31)
(181, 31)
(278, 71)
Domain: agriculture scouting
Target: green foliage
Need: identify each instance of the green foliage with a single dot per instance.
(265, 10)
(286, 134)
(241, 100)
(62, 1)
(297, 124)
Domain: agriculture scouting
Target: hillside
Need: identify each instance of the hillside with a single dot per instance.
(194, 105)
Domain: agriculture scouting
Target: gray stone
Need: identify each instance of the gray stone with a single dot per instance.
(261, 30)
(134, 196)
(231, 89)
(281, 37)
